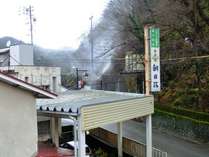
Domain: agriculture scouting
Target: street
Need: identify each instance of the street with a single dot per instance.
(175, 146)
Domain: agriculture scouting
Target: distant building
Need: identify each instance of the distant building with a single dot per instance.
(134, 62)
(48, 78)
(18, 61)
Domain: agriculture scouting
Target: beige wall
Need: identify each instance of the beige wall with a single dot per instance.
(18, 122)
(94, 116)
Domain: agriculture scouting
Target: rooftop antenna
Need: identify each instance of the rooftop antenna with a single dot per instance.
(92, 51)
(29, 12)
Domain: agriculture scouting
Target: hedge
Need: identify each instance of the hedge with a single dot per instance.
(186, 126)
(201, 116)
(160, 112)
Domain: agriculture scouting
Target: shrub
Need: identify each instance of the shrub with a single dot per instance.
(201, 116)
(186, 126)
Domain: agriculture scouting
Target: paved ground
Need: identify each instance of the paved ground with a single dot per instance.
(46, 150)
(175, 146)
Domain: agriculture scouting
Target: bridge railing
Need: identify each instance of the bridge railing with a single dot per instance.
(158, 153)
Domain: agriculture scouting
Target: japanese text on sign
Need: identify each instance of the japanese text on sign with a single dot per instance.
(155, 59)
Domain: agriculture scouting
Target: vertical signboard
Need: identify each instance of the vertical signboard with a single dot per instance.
(155, 59)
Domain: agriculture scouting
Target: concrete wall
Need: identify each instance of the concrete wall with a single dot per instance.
(18, 122)
(14, 55)
(186, 128)
(21, 55)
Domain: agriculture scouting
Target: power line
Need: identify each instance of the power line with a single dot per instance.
(123, 60)
(185, 58)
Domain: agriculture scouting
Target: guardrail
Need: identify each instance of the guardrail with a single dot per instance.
(158, 153)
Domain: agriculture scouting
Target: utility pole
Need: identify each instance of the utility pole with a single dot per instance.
(92, 44)
(195, 25)
(92, 50)
(31, 24)
(147, 90)
(28, 11)
(147, 60)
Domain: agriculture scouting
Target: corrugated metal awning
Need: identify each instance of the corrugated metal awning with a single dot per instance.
(97, 108)
(72, 101)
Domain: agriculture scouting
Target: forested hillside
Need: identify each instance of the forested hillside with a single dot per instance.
(184, 28)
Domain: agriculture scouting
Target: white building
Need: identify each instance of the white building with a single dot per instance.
(17, 55)
(18, 61)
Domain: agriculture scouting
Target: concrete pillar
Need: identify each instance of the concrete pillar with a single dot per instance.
(149, 136)
(75, 131)
(55, 130)
(120, 139)
(60, 126)
(81, 140)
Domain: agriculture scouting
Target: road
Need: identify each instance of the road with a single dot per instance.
(176, 147)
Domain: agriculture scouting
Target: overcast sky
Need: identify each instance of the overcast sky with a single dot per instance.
(60, 23)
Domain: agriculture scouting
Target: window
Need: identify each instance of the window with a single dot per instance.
(26, 79)
(54, 84)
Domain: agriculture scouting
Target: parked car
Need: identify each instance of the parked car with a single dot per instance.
(71, 145)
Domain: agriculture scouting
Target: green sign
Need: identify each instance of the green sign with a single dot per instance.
(154, 34)
(155, 37)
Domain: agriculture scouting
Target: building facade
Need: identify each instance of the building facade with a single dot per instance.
(18, 123)
(18, 117)
(48, 78)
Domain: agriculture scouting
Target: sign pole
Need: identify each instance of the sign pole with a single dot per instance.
(147, 90)
(147, 60)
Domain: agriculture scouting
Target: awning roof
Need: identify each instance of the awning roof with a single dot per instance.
(71, 102)
(96, 108)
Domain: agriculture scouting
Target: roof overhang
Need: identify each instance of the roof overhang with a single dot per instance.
(98, 108)
(37, 92)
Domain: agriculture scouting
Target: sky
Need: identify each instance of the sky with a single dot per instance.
(59, 23)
